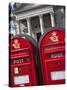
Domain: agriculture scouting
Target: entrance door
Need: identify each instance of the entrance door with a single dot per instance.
(38, 36)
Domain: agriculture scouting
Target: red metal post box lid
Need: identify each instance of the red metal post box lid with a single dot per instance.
(53, 36)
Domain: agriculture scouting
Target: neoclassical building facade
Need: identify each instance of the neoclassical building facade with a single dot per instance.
(35, 19)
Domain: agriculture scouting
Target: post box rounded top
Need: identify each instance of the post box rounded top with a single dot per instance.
(19, 42)
(53, 36)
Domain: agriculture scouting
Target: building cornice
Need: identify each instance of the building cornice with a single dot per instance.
(35, 12)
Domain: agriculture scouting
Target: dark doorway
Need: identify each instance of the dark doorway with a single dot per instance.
(38, 36)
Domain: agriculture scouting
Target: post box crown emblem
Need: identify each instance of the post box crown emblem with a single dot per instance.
(16, 44)
(54, 37)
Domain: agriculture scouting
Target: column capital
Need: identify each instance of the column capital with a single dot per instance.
(40, 15)
(28, 18)
(51, 13)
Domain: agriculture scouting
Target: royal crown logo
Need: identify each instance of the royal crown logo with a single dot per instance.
(54, 37)
(16, 44)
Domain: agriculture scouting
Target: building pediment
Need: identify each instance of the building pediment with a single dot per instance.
(26, 7)
(23, 7)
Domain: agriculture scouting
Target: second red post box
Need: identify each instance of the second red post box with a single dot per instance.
(22, 63)
(52, 54)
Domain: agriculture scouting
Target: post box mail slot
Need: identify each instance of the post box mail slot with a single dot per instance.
(52, 54)
(22, 64)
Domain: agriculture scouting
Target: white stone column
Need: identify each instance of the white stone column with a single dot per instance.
(17, 24)
(22, 27)
(19, 27)
(15, 27)
(12, 29)
(41, 24)
(52, 19)
(29, 26)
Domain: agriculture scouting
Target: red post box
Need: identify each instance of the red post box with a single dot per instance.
(52, 54)
(22, 63)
